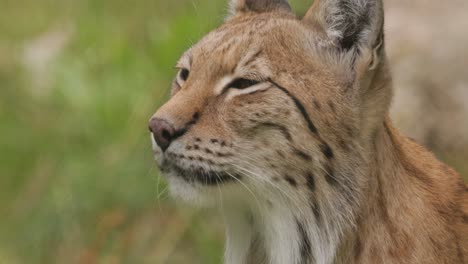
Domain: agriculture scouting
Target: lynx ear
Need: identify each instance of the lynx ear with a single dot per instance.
(349, 23)
(259, 6)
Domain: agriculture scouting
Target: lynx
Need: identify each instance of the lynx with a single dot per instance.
(282, 122)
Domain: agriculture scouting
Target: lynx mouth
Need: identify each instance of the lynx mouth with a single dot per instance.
(199, 175)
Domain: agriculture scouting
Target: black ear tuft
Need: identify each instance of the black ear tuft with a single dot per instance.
(354, 22)
(348, 23)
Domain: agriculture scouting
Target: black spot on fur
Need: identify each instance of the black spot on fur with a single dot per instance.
(343, 145)
(280, 153)
(223, 155)
(291, 180)
(316, 210)
(330, 175)
(196, 116)
(317, 105)
(327, 151)
(208, 151)
(306, 247)
(310, 181)
(465, 219)
(302, 154)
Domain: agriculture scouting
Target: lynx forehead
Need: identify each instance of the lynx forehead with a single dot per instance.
(283, 123)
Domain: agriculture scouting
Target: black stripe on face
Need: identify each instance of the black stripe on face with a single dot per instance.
(305, 246)
(325, 148)
(299, 106)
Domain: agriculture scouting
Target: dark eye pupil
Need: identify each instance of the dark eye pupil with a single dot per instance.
(184, 74)
(242, 83)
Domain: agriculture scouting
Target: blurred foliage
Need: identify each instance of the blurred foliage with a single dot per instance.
(78, 81)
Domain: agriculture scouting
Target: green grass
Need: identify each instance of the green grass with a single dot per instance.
(77, 180)
(78, 184)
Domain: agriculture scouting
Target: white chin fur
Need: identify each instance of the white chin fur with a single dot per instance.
(192, 194)
(195, 194)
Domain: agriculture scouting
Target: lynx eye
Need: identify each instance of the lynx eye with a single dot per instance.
(183, 76)
(242, 83)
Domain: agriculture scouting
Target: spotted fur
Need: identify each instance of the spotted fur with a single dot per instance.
(283, 123)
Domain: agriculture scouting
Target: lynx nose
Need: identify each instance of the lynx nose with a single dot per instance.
(163, 132)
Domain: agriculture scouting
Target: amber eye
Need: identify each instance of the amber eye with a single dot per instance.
(242, 83)
(182, 76)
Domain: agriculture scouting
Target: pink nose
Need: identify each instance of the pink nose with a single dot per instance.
(163, 132)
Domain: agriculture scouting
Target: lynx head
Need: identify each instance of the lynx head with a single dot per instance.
(273, 105)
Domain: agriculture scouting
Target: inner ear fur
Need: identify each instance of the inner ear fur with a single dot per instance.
(259, 6)
(348, 24)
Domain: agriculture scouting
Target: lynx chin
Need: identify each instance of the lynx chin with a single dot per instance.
(283, 123)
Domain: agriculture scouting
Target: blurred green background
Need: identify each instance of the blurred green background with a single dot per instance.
(78, 81)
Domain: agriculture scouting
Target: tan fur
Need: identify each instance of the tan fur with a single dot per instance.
(377, 198)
